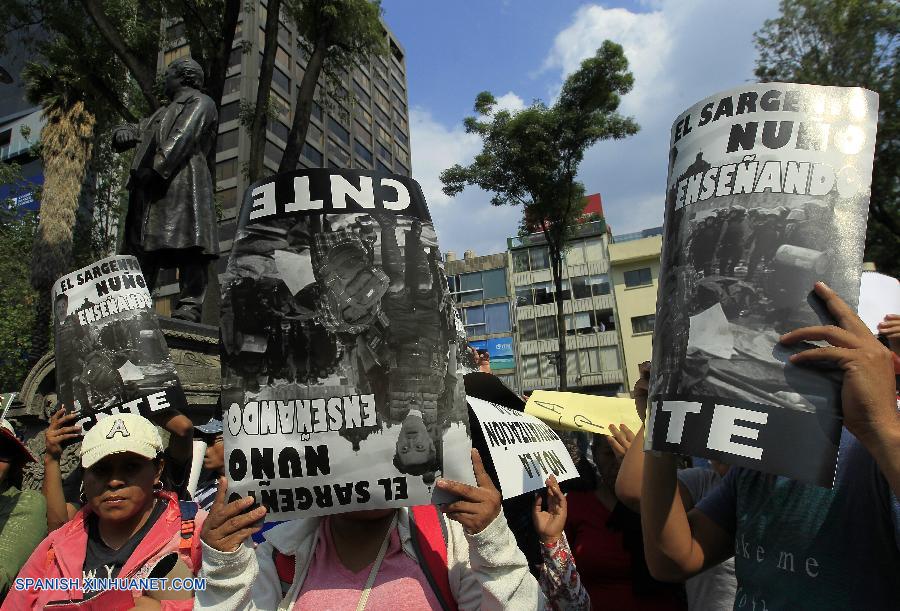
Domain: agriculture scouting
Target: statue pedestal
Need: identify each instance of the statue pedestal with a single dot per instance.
(194, 348)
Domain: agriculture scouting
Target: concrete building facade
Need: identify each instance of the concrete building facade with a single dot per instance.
(365, 126)
(634, 270)
(594, 362)
(481, 289)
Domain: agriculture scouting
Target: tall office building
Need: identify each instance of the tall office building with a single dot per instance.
(634, 262)
(368, 129)
(481, 290)
(594, 364)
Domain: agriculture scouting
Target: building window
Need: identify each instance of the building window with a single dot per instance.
(232, 84)
(399, 119)
(546, 327)
(273, 152)
(228, 112)
(280, 129)
(478, 286)
(170, 56)
(520, 261)
(227, 140)
(539, 258)
(361, 94)
(401, 169)
(383, 117)
(381, 100)
(317, 111)
(400, 136)
(363, 115)
(342, 156)
(543, 293)
(315, 134)
(383, 152)
(228, 200)
(398, 102)
(530, 367)
(312, 154)
(524, 296)
(362, 130)
(587, 286)
(383, 167)
(401, 154)
(281, 79)
(284, 58)
(486, 319)
(643, 324)
(382, 133)
(226, 169)
(527, 330)
(362, 152)
(338, 130)
(638, 277)
(548, 366)
(235, 58)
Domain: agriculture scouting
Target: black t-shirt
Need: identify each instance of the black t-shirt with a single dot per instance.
(103, 562)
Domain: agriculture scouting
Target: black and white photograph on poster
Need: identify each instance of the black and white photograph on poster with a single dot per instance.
(111, 355)
(341, 383)
(768, 192)
(524, 450)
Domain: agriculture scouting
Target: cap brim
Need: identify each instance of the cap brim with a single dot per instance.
(15, 442)
(123, 445)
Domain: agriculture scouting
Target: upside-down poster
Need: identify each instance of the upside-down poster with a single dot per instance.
(768, 192)
(341, 384)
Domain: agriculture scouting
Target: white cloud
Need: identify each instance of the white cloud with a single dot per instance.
(509, 101)
(679, 52)
(645, 37)
(467, 220)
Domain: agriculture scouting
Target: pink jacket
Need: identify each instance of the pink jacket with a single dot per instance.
(62, 553)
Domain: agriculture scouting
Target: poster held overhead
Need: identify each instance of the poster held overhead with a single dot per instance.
(342, 390)
(111, 355)
(768, 192)
(572, 411)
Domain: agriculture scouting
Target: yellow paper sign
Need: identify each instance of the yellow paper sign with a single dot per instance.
(576, 412)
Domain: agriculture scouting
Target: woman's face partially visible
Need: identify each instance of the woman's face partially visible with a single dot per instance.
(605, 459)
(121, 485)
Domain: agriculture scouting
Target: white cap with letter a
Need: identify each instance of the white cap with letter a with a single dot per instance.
(117, 434)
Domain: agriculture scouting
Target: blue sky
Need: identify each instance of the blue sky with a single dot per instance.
(679, 51)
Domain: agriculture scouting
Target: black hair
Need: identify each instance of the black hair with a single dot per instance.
(428, 467)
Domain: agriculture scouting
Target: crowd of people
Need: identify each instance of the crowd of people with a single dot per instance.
(636, 530)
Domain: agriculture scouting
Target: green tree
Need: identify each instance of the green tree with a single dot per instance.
(17, 297)
(260, 116)
(334, 34)
(849, 43)
(531, 157)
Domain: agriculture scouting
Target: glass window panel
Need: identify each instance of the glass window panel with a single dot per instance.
(383, 151)
(580, 287)
(546, 327)
(362, 151)
(494, 281)
(496, 318)
(235, 58)
(338, 131)
(527, 330)
(227, 140)
(548, 368)
(572, 363)
(520, 261)
(383, 167)
(540, 257)
(228, 198)
(603, 320)
(382, 116)
(600, 284)
(273, 151)
(317, 111)
(281, 79)
(593, 360)
(638, 277)
(400, 135)
(543, 293)
(470, 287)
(643, 324)
(228, 112)
(580, 323)
(226, 169)
(524, 296)
(342, 156)
(284, 58)
(575, 253)
(593, 249)
(609, 358)
(313, 154)
(530, 366)
(280, 129)
(232, 84)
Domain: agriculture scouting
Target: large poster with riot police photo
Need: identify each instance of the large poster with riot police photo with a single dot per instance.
(341, 382)
(111, 356)
(768, 192)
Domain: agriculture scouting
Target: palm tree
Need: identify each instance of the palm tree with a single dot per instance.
(65, 145)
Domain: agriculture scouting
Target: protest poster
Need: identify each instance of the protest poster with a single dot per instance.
(571, 411)
(768, 192)
(111, 355)
(341, 386)
(524, 450)
(879, 295)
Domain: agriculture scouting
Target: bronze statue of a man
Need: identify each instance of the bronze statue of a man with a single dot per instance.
(171, 221)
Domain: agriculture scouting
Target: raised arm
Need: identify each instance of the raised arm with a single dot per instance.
(60, 430)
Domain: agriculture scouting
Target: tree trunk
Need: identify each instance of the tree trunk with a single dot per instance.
(144, 73)
(217, 66)
(556, 269)
(300, 124)
(40, 330)
(260, 110)
(66, 138)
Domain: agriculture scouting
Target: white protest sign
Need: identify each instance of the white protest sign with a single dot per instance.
(879, 295)
(525, 451)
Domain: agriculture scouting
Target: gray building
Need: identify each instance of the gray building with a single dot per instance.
(367, 129)
(594, 364)
(481, 290)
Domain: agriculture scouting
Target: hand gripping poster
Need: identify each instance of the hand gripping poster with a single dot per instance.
(341, 387)
(111, 356)
(768, 192)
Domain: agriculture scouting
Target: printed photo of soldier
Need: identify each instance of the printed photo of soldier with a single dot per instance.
(737, 272)
(110, 361)
(329, 305)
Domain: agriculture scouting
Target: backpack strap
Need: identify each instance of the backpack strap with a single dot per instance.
(188, 529)
(428, 533)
